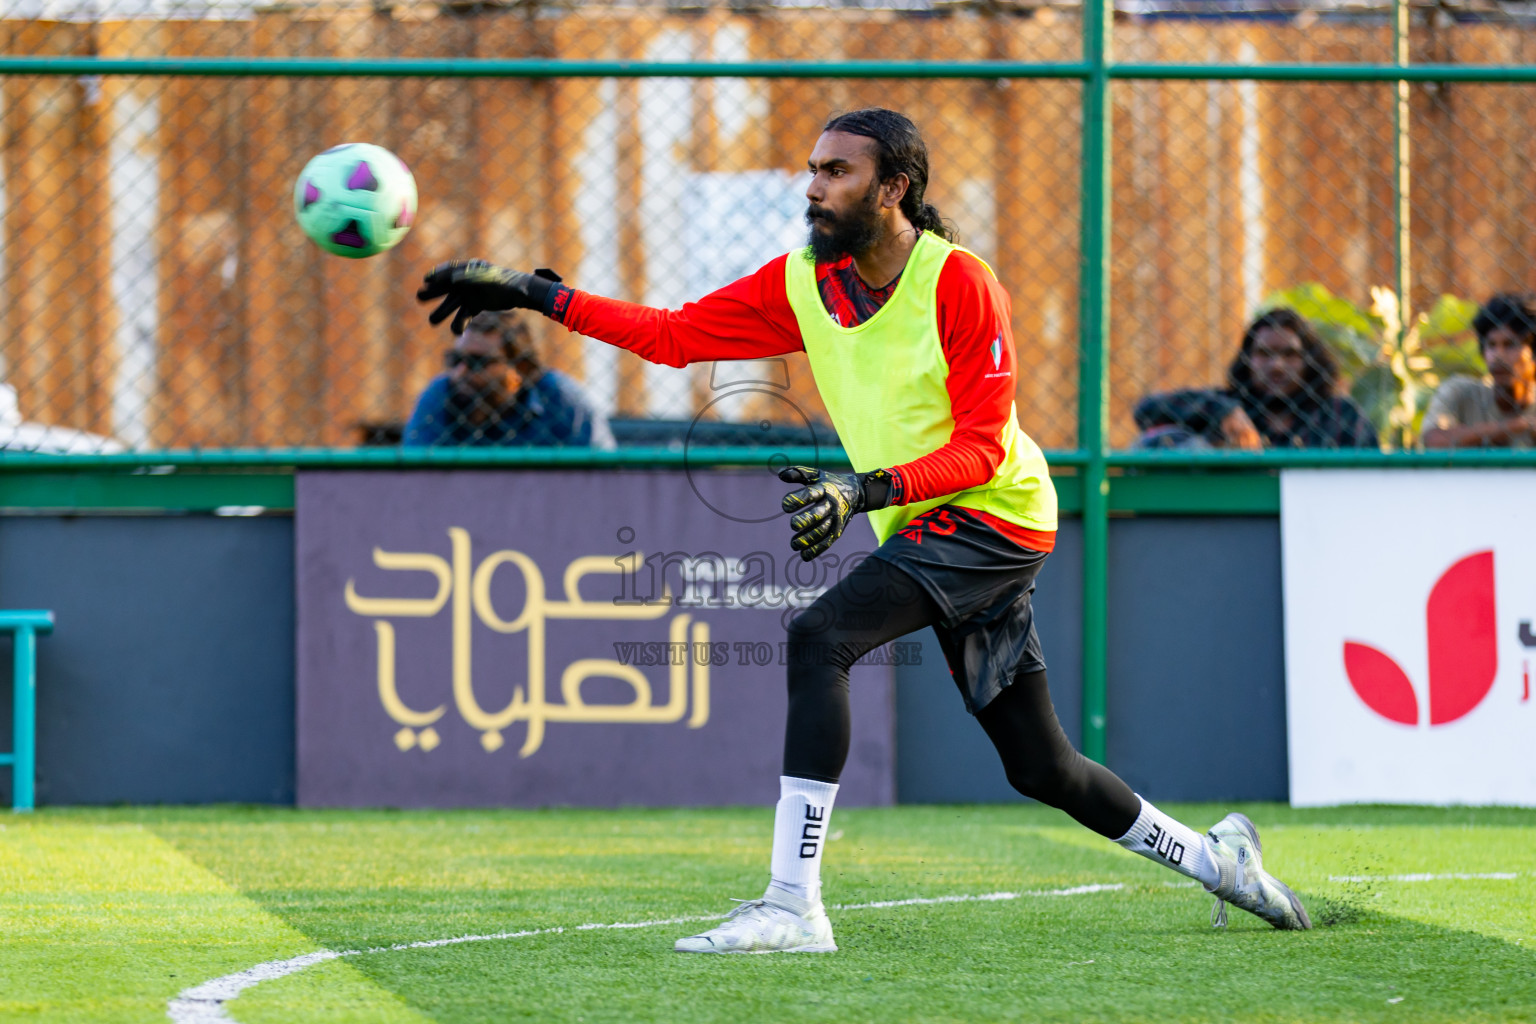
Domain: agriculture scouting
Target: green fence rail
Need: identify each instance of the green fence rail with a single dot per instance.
(291, 67)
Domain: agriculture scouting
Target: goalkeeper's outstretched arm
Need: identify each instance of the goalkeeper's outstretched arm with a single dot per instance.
(748, 319)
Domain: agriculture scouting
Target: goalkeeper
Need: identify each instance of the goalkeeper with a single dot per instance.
(909, 340)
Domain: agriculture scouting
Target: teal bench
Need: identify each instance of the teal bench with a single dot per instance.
(24, 626)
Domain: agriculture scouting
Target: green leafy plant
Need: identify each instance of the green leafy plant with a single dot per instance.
(1390, 371)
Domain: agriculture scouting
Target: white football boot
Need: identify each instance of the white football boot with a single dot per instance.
(757, 926)
(1233, 845)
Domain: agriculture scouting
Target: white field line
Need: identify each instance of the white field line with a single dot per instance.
(1425, 877)
(204, 1004)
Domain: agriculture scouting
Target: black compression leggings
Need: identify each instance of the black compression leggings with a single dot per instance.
(877, 603)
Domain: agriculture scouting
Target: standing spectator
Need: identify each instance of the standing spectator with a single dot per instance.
(1501, 411)
(496, 392)
(1279, 394)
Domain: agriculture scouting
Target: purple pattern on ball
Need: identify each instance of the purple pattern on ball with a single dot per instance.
(407, 217)
(350, 237)
(362, 178)
(311, 194)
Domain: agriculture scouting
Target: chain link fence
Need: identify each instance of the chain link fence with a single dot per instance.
(158, 293)
(1382, 214)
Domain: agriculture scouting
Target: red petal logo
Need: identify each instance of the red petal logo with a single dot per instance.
(1379, 682)
(1461, 619)
(1463, 646)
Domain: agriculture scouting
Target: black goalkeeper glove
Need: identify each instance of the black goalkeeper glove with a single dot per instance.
(468, 287)
(823, 507)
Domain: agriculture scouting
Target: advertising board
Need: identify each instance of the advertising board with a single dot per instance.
(533, 638)
(1409, 602)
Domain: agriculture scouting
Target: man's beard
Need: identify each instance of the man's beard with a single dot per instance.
(853, 233)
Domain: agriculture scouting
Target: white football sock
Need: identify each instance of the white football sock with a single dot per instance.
(799, 834)
(1158, 837)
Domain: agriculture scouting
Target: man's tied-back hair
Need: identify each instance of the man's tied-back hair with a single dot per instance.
(1514, 310)
(899, 149)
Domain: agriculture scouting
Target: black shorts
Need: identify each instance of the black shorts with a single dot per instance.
(982, 582)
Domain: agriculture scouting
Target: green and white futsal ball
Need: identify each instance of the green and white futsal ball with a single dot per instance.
(355, 199)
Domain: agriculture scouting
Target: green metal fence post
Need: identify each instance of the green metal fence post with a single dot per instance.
(1402, 240)
(1093, 368)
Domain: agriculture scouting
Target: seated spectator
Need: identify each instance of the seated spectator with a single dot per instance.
(497, 393)
(1501, 411)
(1279, 394)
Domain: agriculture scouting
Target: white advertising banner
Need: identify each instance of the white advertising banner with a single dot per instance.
(1410, 598)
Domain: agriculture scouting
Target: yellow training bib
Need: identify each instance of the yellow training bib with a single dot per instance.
(884, 385)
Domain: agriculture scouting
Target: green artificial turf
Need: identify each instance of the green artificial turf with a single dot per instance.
(108, 914)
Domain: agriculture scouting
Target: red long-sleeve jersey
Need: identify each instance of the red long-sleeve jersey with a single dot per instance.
(752, 319)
